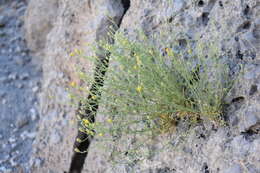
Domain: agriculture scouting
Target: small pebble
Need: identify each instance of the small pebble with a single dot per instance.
(18, 49)
(26, 134)
(4, 79)
(12, 76)
(3, 21)
(4, 158)
(12, 140)
(22, 121)
(55, 138)
(14, 145)
(24, 76)
(35, 89)
(19, 85)
(12, 162)
(38, 162)
(19, 61)
(4, 101)
(33, 114)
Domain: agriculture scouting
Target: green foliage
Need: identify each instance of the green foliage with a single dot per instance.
(149, 88)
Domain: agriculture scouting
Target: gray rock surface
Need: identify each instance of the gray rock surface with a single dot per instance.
(226, 149)
(68, 25)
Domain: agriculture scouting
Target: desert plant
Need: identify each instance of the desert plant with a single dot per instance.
(149, 88)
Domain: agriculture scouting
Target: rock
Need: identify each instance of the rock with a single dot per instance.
(12, 140)
(12, 162)
(3, 21)
(252, 169)
(2, 34)
(4, 158)
(206, 20)
(24, 76)
(4, 101)
(14, 98)
(18, 49)
(46, 10)
(22, 121)
(12, 76)
(4, 79)
(35, 89)
(13, 145)
(38, 162)
(31, 135)
(33, 114)
(3, 51)
(10, 50)
(19, 85)
(19, 23)
(55, 138)
(234, 169)
(178, 5)
(3, 169)
(24, 54)
(20, 60)
(26, 134)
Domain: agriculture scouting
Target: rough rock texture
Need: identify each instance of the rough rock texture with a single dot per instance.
(42, 15)
(78, 24)
(20, 76)
(235, 24)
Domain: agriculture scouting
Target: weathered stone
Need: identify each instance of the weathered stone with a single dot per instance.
(22, 121)
(233, 24)
(55, 138)
(40, 17)
(3, 21)
(234, 169)
(24, 76)
(33, 114)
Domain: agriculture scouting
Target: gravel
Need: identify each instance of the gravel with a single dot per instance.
(19, 84)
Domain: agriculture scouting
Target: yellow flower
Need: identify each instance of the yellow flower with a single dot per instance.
(85, 121)
(190, 51)
(139, 89)
(89, 132)
(72, 84)
(94, 97)
(81, 130)
(100, 134)
(167, 50)
(77, 150)
(77, 51)
(78, 140)
(135, 67)
(138, 61)
(81, 74)
(109, 120)
(70, 96)
(72, 54)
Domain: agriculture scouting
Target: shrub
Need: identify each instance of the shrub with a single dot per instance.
(149, 88)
